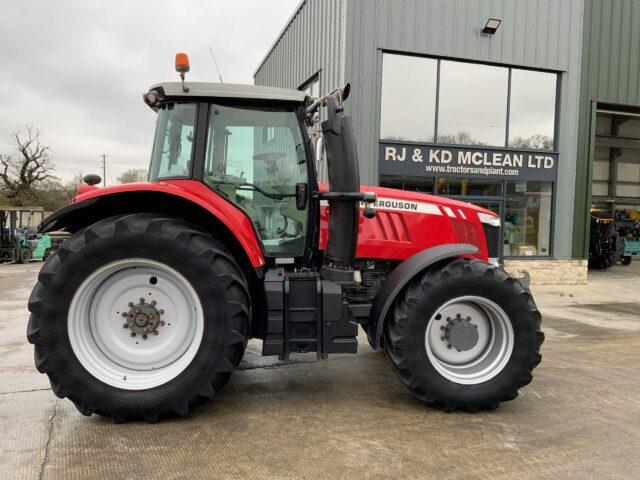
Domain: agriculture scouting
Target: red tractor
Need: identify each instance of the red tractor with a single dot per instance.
(146, 309)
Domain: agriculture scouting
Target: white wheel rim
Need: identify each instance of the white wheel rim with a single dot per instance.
(491, 351)
(108, 351)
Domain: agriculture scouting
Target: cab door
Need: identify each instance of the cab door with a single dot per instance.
(256, 158)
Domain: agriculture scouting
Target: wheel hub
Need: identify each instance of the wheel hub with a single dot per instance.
(460, 333)
(143, 318)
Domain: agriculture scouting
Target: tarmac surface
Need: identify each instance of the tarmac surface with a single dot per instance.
(348, 416)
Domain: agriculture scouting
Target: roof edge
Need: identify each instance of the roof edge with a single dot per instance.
(279, 37)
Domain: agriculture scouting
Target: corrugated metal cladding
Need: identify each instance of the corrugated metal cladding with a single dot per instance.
(610, 74)
(313, 42)
(544, 34)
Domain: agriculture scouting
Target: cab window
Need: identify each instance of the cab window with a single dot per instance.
(255, 157)
(174, 142)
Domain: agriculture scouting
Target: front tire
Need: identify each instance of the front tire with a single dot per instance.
(139, 317)
(24, 255)
(464, 336)
(625, 260)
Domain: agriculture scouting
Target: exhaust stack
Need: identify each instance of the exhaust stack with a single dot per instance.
(344, 195)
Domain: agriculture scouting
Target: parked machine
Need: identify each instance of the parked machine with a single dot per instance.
(19, 240)
(145, 311)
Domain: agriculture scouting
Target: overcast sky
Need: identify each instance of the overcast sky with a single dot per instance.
(77, 69)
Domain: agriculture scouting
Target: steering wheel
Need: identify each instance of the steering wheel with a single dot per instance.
(269, 158)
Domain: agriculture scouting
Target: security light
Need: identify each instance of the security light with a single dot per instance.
(491, 26)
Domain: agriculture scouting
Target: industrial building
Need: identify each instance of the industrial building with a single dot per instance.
(528, 107)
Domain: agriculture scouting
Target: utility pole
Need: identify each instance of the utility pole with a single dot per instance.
(104, 169)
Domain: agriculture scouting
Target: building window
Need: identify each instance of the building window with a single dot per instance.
(408, 98)
(312, 86)
(527, 222)
(473, 104)
(477, 104)
(532, 109)
(268, 135)
(474, 187)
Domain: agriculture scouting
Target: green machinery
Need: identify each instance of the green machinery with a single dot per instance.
(19, 240)
(630, 247)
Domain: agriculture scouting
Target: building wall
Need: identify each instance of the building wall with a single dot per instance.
(544, 34)
(312, 42)
(610, 74)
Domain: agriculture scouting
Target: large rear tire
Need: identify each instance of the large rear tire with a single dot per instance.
(139, 317)
(464, 336)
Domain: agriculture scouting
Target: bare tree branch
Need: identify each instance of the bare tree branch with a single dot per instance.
(20, 174)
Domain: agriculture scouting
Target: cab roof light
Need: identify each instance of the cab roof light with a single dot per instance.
(182, 67)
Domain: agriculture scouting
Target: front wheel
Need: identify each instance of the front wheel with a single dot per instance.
(464, 336)
(139, 317)
(625, 260)
(24, 255)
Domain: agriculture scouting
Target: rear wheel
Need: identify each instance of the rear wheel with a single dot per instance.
(139, 317)
(464, 336)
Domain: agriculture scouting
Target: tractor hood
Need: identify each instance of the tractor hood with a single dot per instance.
(408, 222)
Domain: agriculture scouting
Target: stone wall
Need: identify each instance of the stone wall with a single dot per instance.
(550, 272)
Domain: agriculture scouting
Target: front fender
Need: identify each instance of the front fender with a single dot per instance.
(400, 277)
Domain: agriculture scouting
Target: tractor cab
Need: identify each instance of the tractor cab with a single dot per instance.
(249, 147)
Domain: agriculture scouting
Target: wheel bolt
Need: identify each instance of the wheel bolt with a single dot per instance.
(124, 314)
(161, 322)
(141, 299)
(468, 319)
(443, 338)
(449, 346)
(443, 327)
(458, 316)
(153, 302)
(144, 336)
(131, 304)
(125, 325)
(161, 312)
(133, 334)
(155, 332)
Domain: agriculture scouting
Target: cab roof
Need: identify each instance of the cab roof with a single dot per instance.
(228, 90)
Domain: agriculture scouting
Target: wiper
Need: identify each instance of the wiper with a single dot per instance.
(253, 186)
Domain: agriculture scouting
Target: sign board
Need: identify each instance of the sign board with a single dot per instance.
(402, 159)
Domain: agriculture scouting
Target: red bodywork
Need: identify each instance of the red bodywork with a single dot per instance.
(405, 222)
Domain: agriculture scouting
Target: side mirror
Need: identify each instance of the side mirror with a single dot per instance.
(301, 196)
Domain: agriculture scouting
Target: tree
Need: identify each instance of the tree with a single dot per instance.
(133, 175)
(28, 167)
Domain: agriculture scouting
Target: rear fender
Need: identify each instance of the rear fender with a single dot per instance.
(210, 212)
(402, 275)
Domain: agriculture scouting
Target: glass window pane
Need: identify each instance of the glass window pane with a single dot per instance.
(260, 177)
(473, 104)
(408, 98)
(173, 144)
(533, 109)
(411, 184)
(477, 187)
(527, 223)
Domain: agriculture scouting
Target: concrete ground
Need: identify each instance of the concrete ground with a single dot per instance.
(348, 416)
